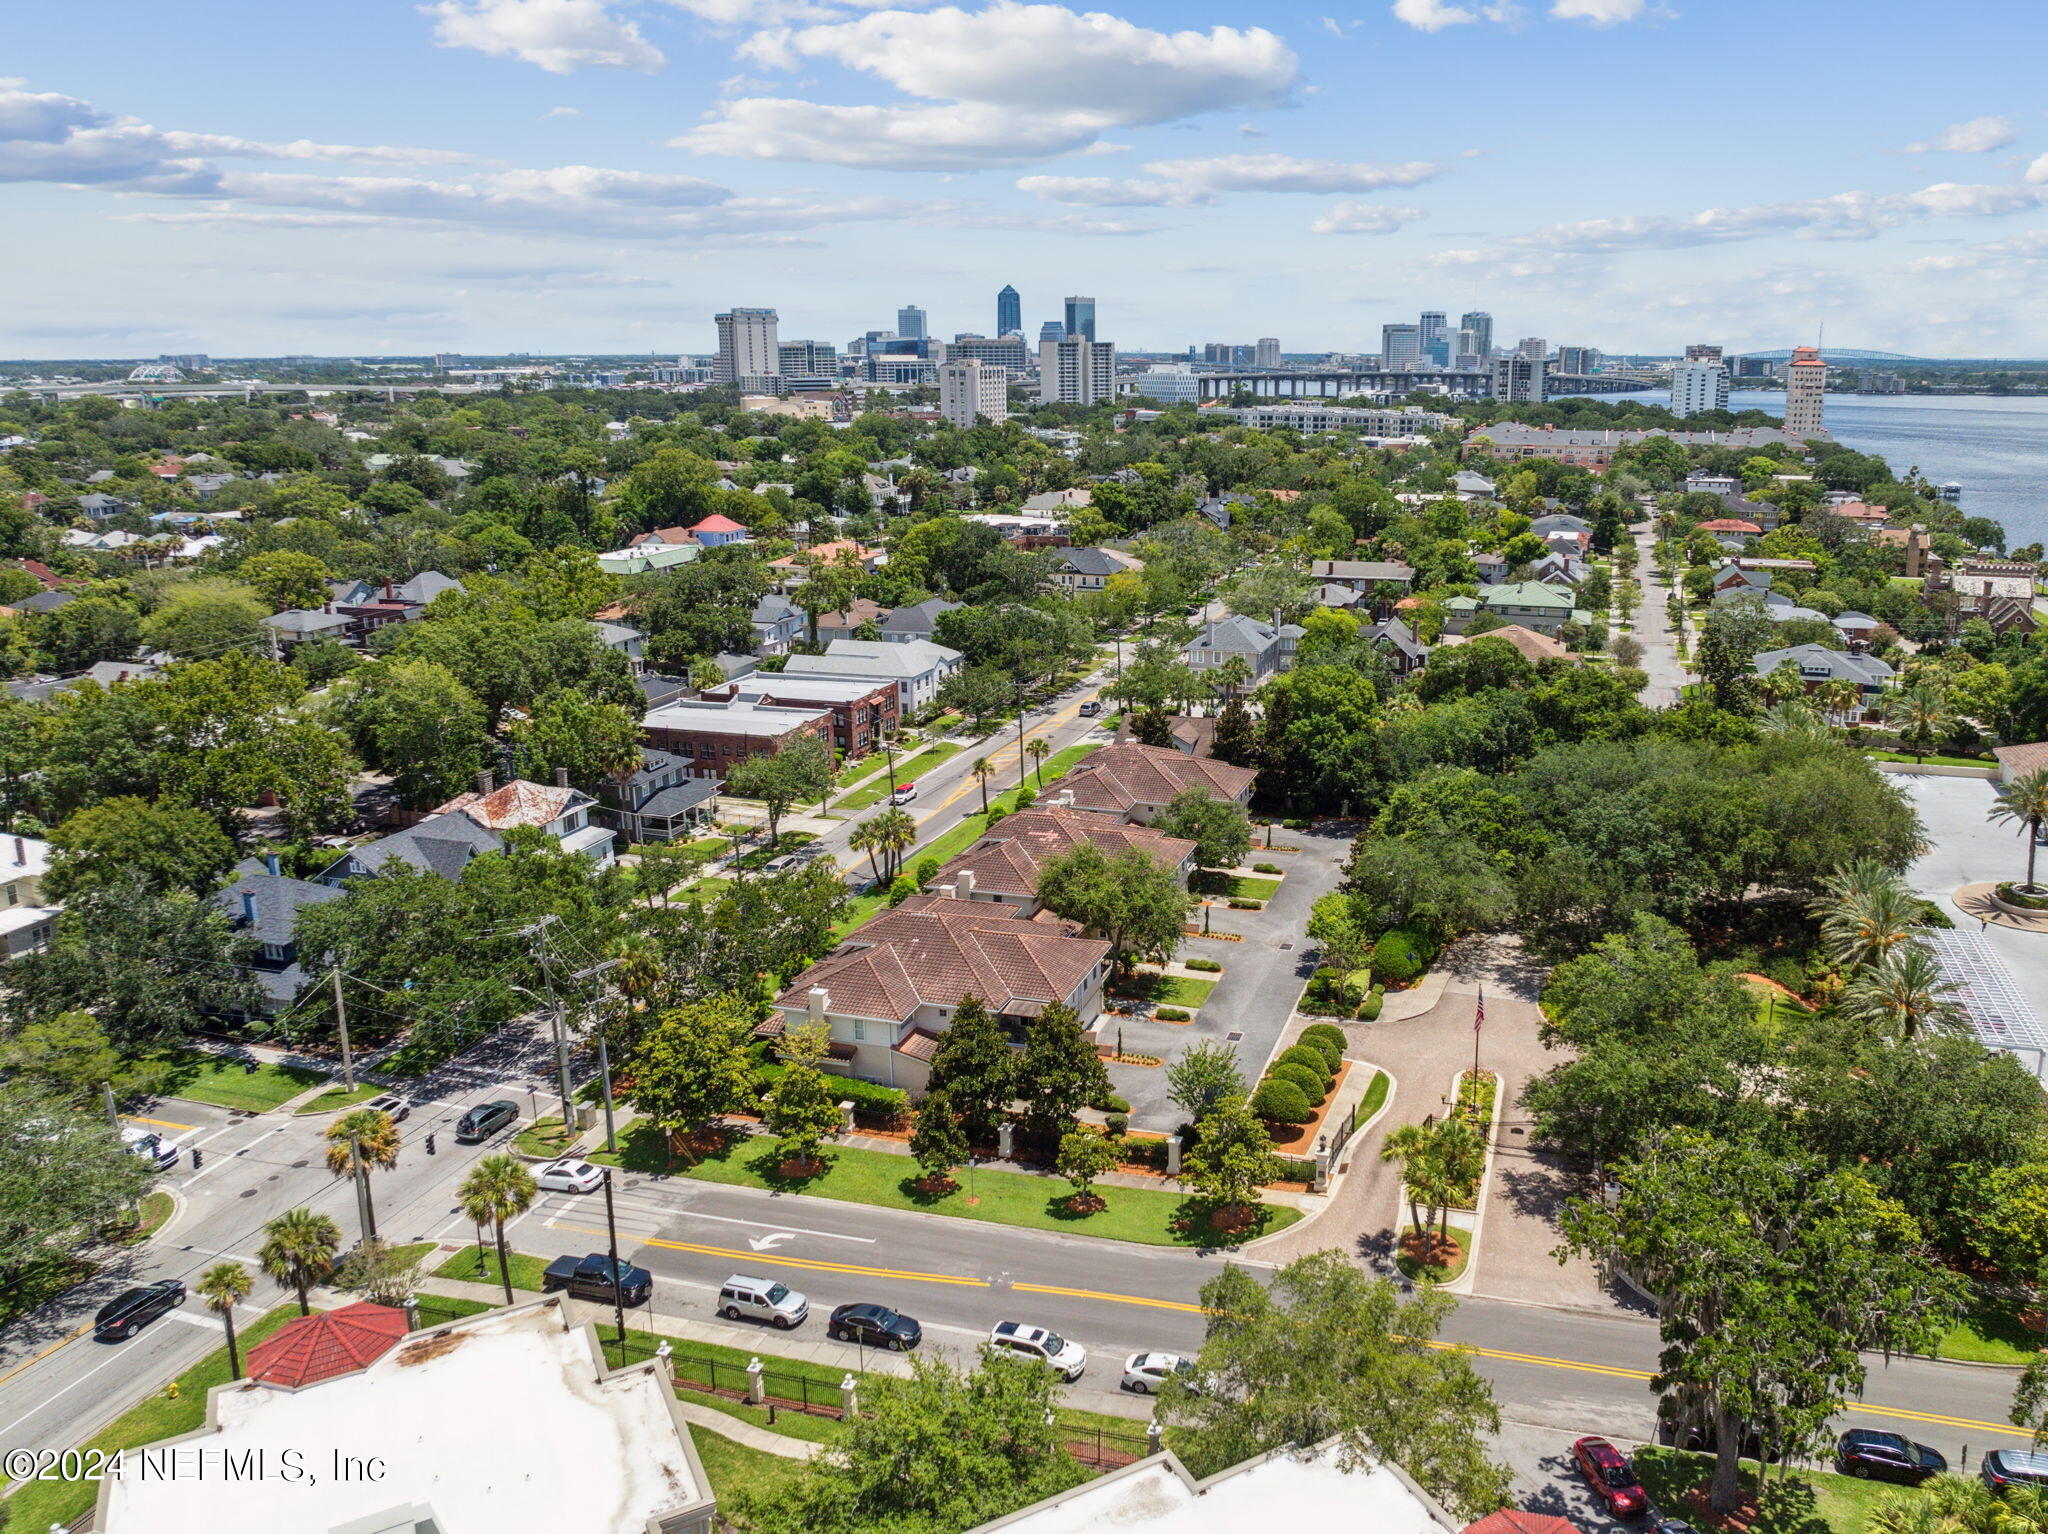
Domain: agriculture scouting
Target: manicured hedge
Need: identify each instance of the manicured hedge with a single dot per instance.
(1369, 1009)
(1312, 1058)
(1172, 1015)
(1402, 955)
(1282, 1102)
(1318, 1033)
(1267, 868)
(1313, 1089)
(1206, 966)
(872, 1102)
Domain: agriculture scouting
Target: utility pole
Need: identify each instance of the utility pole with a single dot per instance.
(113, 1113)
(604, 1059)
(348, 1063)
(611, 1226)
(538, 931)
(1020, 740)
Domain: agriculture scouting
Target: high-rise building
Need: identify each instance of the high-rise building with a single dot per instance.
(1806, 390)
(1266, 354)
(1175, 384)
(1435, 326)
(1467, 354)
(1699, 385)
(1081, 316)
(1703, 354)
(807, 359)
(910, 323)
(1480, 323)
(1518, 379)
(1535, 348)
(1400, 346)
(1009, 312)
(1051, 330)
(1076, 371)
(998, 351)
(747, 346)
(971, 388)
(1578, 359)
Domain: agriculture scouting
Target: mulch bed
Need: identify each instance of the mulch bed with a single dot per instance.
(1300, 1139)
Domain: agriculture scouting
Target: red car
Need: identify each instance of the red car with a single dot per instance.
(1612, 1478)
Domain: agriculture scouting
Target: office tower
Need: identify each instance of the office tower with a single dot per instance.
(1051, 330)
(1535, 348)
(1806, 389)
(1400, 346)
(997, 351)
(970, 389)
(1266, 354)
(806, 359)
(1518, 379)
(1076, 371)
(1578, 359)
(910, 322)
(1467, 354)
(1009, 312)
(1221, 353)
(1174, 384)
(747, 346)
(1703, 354)
(1435, 326)
(1480, 323)
(1697, 386)
(1081, 317)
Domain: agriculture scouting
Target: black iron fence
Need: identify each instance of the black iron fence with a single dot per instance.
(1341, 1130)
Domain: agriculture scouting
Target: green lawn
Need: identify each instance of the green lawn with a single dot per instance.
(908, 770)
(1006, 1198)
(733, 1466)
(1236, 886)
(151, 1214)
(336, 1098)
(465, 1265)
(205, 1078)
(1932, 759)
(1060, 761)
(1435, 1272)
(766, 853)
(1992, 1332)
(1375, 1096)
(1803, 1502)
(1168, 990)
(43, 1503)
(710, 846)
(946, 724)
(858, 910)
(543, 1137)
(964, 835)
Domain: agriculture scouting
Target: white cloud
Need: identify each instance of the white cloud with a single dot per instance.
(1109, 192)
(560, 36)
(1363, 218)
(1289, 173)
(1015, 83)
(306, 149)
(1432, 15)
(561, 112)
(1601, 13)
(1980, 135)
(2037, 173)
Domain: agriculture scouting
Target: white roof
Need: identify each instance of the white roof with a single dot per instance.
(1278, 1491)
(23, 857)
(736, 718)
(872, 657)
(504, 1421)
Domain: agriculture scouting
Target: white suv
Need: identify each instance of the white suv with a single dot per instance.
(158, 1150)
(1068, 1359)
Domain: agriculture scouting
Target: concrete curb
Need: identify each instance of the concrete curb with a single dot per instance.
(1463, 1283)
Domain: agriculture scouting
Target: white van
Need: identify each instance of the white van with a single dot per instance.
(156, 1149)
(762, 1299)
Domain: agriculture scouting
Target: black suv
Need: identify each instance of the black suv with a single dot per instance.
(2025, 1468)
(128, 1313)
(484, 1120)
(1887, 1457)
(874, 1326)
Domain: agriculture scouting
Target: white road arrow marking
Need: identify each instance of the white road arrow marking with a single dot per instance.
(767, 1243)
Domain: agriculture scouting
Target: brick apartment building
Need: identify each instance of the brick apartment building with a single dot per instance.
(863, 709)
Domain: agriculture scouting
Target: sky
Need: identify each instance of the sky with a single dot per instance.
(564, 176)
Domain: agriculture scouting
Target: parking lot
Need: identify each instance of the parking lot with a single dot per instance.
(1965, 847)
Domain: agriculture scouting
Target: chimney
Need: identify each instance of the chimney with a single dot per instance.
(963, 884)
(270, 863)
(1066, 799)
(820, 999)
(561, 777)
(389, 594)
(484, 784)
(249, 907)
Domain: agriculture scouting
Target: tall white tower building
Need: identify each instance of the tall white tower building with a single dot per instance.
(1076, 371)
(1697, 386)
(1806, 392)
(747, 346)
(971, 388)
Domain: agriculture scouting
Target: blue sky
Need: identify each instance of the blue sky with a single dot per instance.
(603, 175)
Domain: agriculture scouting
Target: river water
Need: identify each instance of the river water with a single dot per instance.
(1994, 446)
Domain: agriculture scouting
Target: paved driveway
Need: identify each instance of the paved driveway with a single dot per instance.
(1964, 847)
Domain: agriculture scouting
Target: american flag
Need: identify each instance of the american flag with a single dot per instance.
(1479, 1017)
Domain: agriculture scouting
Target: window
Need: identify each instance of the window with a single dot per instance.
(860, 1031)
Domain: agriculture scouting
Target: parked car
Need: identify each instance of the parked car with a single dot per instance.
(569, 1176)
(905, 792)
(1612, 1477)
(1144, 1373)
(592, 1277)
(160, 1151)
(392, 1104)
(1090, 709)
(1874, 1456)
(874, 1326)
(2003, 1468)
(133, 1309)
(1069, 1359)
(1699, 1437)
(485, 1120)
(762, 1299)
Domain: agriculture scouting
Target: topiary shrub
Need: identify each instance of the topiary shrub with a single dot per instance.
(1369, 1009)
(1111, 1104)
(1327, 1037)
(1281, 1102)
(1267, 868)
(1247, 905)
(1313, 1088)
(1312, 1060)
(1172, 1015)
(1401, 956)
(1118, 1126)
(1206, 966)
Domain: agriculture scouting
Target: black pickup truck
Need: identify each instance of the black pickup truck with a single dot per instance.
(590, 1278)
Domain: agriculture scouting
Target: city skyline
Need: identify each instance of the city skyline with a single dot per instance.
(602, 176)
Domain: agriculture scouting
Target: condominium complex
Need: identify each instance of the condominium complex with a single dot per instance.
(1171, 384)
(1076, 370)
(1007, 351)
(807, 359)
(1699, 385)
(1806, 388)
(1266, 354)
(969, 389)
(1518, 379)
(747, 346)
(1535, 348)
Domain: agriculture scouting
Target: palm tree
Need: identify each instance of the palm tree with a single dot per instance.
(497, 1189)
(1863, 928)
(1410, 1145)
(983, 771)
(1038, 750)
(300, 1251)
(224, 1286)
(1920, 714)
(1902, 993)
(1783, 684)
(1842, 699)
(863, 838)
(1794, 716)
(359, 1140)
(2025, 799)
(1458, 1151)
(1235, 674)
(895, 833)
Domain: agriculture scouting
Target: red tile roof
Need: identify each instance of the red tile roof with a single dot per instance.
(1120, 778)
(1512, 1520)
(824, 551)
(336, 1342)
(1007, 858)
(2019, 760)
(1729, 525)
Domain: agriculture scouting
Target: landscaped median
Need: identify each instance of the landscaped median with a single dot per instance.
(857, 1176)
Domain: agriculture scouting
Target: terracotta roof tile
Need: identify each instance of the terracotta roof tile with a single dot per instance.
(518, 803)
(315, 1348)
(905, 959)
(1007, 858)
(1121, 777)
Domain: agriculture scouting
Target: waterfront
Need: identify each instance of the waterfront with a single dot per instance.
(1994, 446)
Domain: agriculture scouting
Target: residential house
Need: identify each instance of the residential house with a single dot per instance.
(359, 608)
(849, 620)
(1533, 604)
(657, 689)
(2019, 761)
(1265, 650)
(307, 625)
(1473, 487)
(863, 710)
(1341, 598)
(892, 987)
(1013, 525)
(648, 557)
(1004, 865)
(1136, 782)
(1559, 568)
(918, 667)
(1534, 646)
(792, 570)
(2000, 591)
(99, 506)
(1916, 543)
(1078, 570)
(471, 824)
(919, 621)
(714, 737)
(1493, 568)
(778, 623)
(1362, 575)
(1731, 577)
(1817, 665)
(717, 530)
(263, 906)
(1710, 483)
(661, 801)
(1776, 605)
(1732, 533)
(625, 639)
(103, 673)
(1059, 504)
(1560, 521)
(40, 602)
(1858, 628)
(27, 922)
(1405, 652)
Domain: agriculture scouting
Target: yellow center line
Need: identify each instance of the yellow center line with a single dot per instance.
(46, 1352)
(160, 1123)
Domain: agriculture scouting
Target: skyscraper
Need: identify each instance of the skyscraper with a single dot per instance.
(910, 323)
(1051, 330)
(747, 346)
(1703, 354)
(1081, 316)
(1518, 379)
(1400, 346)
(1806, 389)
(1701, 384)
(1480, 323)
(1076, 371)
(1009, 312)
(969, 389)
(1436, 335)
(1535, 348)
(1267, 353)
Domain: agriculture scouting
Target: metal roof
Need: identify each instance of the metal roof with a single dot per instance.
(1999, 1012)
